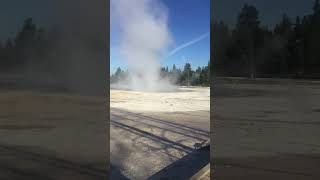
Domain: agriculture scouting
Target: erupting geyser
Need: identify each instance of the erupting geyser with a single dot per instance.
(144, 37)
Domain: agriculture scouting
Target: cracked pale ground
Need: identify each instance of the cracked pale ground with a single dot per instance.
(151, 130)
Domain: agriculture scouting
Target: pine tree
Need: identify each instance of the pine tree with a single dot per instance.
(316, 7)
(284, 27)
(9, 44)
(247, 32)
(174, 69)
(27, 35)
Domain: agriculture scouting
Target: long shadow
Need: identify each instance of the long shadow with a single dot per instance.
(185, 167)
(158, 127)
(44, 161)
(115, 173)
(172, 124)
(162, 140)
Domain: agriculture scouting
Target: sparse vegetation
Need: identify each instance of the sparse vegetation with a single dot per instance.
(187, 76)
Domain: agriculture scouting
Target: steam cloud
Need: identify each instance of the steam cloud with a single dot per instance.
(145, 36)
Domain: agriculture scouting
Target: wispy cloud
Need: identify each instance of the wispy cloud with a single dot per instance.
(187, 44)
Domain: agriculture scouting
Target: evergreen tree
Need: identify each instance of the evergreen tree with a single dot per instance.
(1, 55)
(290, 48)
(221, 42)
(174, 68)
(9, 44)
(316, 7)
(247, 35)
(8, 59)
(27, 35)
(187, 73)
(284, 28)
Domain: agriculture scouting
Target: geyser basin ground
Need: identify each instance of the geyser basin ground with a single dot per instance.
(266, 129)
(184, 99)
(151, 130)
(49, 135)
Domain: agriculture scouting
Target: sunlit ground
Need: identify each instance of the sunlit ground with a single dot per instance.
(151, 130)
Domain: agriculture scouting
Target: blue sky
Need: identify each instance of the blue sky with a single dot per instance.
(188, 20)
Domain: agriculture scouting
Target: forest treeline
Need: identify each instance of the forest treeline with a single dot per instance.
(290, 49)
(68, 55)
(32, 46)
(37, 49)
(187, 76)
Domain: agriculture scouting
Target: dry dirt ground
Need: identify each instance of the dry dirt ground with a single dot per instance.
(266, 129)
(46, 135)
(154, 130)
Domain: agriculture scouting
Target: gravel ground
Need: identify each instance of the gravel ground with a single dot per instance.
(52, 136)
(266, 130)
(150, 131)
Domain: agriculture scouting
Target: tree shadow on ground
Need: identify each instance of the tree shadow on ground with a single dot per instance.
(116, 173)
(185, 167)
(143, 126)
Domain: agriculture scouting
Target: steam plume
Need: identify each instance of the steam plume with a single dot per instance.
(145, 35)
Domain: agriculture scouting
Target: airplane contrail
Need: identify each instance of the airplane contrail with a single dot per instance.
(193, 41)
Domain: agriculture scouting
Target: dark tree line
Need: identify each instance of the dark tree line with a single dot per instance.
(37, 49)
(290, 49)
(31, 47)
(186, 76)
